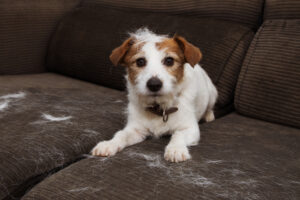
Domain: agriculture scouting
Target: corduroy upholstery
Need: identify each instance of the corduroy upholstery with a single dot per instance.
(80, 47)
(242, 11)
(269, 83)
(25, 30)
(237, 158)
(278, 9)
(31, 145)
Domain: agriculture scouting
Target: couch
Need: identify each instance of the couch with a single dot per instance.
(60, 95)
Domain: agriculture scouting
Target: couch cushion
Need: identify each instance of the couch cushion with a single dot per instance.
(34, 140)
(237, 158)
(25, 29)
(269, 83)
(278, 9)
(84, 40)
(242, 11)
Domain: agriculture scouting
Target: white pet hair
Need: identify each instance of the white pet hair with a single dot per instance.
(7, 99)
(55, 119)
(3, 105)
(13, 96)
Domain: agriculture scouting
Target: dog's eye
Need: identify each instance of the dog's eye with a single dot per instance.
(141, 62)
(169, 61)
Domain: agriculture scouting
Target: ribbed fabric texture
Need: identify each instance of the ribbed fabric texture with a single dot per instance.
(81, 47)
(237, 158)
(25, 29)
(269, 83)
(32, 145)
(228, 76)
(282, 9)
(242, 11)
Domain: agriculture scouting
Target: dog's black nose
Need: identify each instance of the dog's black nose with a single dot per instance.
(154, 84)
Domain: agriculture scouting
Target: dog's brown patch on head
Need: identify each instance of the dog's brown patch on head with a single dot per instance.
(130, 58)
(172, 49)
(191, 53)
(126, 55)
(118, 54)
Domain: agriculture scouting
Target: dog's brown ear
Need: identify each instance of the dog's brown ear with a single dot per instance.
(117, 55)
(191, 53)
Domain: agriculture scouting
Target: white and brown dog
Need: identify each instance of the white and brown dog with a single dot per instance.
(168, 92)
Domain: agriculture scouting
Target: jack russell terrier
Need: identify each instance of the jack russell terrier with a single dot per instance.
(168, 93)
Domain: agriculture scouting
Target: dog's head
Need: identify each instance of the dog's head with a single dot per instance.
(155, 63)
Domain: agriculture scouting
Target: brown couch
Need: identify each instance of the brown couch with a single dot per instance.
(54, 60)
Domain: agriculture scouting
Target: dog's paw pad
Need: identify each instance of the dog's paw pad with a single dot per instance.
(177, 153)
(105, 148)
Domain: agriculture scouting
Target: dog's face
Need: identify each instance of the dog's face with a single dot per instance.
(155, 63)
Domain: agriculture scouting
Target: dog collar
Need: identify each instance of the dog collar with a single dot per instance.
(156, 109)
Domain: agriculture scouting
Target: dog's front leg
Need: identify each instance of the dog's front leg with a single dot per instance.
(130, 135)
(177, 149)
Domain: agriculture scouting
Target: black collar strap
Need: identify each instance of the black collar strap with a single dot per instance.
(156, 109)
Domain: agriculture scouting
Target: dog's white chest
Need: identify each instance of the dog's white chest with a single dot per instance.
(157, 127)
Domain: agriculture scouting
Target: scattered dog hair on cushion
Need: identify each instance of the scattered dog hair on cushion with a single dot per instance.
(100, 159)
(47, 118)
(79, 190)
(214, 161)
(13, 96)
(295, 182)
(55, 119)
(196, 179)
(233, 172)
(152, 160)
(91, 132)
(246, 182)
(6, 99)
(118, 101)
(88, 156)
(4, 105)
(179, 174)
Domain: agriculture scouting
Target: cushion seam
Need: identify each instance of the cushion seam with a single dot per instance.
(28, 184)
(247, 65)
(230, 56)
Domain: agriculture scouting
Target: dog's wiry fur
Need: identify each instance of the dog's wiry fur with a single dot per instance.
(185, 85)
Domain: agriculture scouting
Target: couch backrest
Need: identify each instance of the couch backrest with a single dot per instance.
(83, 41)
(240, 11)
(25, 29)
(269, 83)
(279, 9)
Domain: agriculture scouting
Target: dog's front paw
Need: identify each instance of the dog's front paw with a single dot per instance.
(106, 148)
(175, 153)
(209, 116)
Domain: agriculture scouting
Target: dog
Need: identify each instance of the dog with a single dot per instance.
(168, 93)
